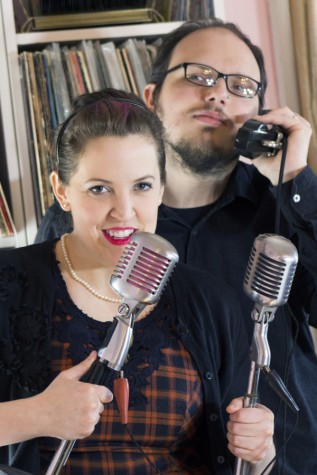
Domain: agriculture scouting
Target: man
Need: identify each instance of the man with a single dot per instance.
(208, 79)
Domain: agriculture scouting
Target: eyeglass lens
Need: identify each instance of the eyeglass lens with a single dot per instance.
(207, 76)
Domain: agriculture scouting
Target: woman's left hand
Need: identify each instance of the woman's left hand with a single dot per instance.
(250, 430)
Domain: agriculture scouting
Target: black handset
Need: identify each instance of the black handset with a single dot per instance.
(255, 138)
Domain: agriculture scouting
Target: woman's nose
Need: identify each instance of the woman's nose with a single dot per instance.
(122, 208)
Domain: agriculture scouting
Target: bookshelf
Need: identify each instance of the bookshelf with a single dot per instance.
(16, 140)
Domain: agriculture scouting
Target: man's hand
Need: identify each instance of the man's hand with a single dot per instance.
(298, 131)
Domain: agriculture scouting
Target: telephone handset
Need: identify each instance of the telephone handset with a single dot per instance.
(255, 138)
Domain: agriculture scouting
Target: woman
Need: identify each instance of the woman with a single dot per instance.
(184, 365)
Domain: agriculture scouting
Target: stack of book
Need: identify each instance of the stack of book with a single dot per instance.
(59, 7)
(53, 77)
(51, 15)
(58, 14)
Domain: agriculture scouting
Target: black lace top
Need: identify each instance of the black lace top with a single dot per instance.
(189, 349)
(165, 403)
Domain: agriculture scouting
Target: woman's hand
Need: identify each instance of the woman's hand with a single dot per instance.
(250, 431)
(69, 408)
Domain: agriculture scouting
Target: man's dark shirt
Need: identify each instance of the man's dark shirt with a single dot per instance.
(219, 238)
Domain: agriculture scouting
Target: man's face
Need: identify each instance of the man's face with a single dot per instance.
(202, 122)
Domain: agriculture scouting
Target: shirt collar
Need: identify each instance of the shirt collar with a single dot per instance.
(243, 183)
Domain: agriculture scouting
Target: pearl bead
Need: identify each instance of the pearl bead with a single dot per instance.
(79, 279)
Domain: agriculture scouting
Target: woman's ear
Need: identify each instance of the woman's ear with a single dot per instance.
(148, 95)
(60, 191)
(161, 194)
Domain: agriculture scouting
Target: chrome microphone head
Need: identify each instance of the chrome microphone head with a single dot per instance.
(144, 268)
(270, 270)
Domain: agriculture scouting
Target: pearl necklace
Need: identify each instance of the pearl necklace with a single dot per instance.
(82, 281)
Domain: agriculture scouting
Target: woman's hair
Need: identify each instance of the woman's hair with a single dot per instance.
(171, 40)
(108, 112)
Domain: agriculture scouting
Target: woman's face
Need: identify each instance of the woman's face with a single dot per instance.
(115, 192)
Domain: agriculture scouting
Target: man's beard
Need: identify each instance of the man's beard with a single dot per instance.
(205, 160)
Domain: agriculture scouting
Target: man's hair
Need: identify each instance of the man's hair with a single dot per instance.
(171, 40)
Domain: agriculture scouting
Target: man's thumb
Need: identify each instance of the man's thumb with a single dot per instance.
(78, 371)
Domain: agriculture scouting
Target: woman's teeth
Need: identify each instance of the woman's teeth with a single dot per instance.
(120, 234)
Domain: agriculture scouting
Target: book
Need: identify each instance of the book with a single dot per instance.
(41, 142)
(35, 165)
(29, 121)
(84, 70)
(93, 19)
(50, 93)
(79, 80)
(58, 82)
(104, 73)
(136, 67)
(70, 73)
(112, 65)
(123, 70)
(89, 52)
(130, 72)
(7, 228)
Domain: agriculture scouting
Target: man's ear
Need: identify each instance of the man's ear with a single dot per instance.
(60, 191)
(148, 95)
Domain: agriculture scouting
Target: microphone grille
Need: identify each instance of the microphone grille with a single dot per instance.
(144, 267)
(270, 270)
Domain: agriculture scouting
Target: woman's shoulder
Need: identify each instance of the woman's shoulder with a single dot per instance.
(32, 264)
(33, 253)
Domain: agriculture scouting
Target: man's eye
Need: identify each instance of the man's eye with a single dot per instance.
(198, 78)
(243, 86)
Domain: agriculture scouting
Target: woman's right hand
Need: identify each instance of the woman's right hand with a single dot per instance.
(68, 408)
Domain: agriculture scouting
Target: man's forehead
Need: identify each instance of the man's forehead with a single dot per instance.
(210, 45)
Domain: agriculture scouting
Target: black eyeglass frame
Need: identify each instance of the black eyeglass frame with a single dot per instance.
(220, 75)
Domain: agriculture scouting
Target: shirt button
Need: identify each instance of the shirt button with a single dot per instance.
(220, 459)
(213, 417)
(296, 198)
(209, 375)
(183, 331)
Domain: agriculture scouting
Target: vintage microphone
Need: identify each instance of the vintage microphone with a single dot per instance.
(268, 280)
(139, 278)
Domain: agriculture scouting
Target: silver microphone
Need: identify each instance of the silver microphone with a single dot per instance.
(144, 268)
(270, 272)
(139, 278)
(268, 280)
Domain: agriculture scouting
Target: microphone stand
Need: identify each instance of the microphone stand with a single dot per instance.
(112, 354)
(260, 358)
(260, 362)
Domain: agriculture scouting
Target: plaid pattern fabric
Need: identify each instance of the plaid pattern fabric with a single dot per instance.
(164, 421)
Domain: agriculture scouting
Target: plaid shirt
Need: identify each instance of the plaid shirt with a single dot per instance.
(165, 399)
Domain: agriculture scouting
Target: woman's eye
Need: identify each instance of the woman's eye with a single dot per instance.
(99, 189)
(144, 186)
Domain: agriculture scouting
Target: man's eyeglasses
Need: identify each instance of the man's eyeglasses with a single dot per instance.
(202, 75)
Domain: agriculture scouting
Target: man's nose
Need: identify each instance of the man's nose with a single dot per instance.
(217, 93)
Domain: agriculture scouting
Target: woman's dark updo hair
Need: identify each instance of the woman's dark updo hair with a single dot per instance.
(108, 112)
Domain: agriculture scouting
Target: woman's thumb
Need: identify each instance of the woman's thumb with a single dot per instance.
(79, 370)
